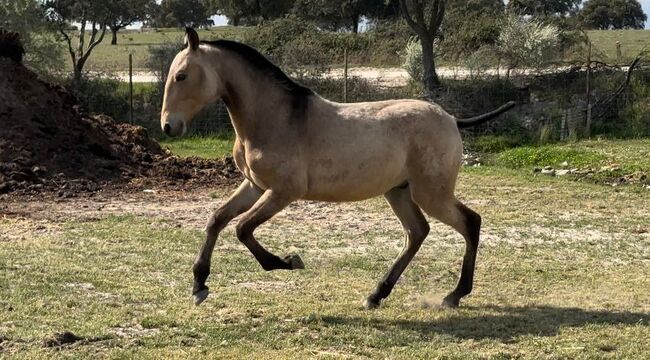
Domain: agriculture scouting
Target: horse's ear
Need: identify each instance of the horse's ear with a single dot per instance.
(191, 38)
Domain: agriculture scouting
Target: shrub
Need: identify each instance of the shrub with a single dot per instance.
(527, 42)
(412, 59)
(101, 95)
(43, 53)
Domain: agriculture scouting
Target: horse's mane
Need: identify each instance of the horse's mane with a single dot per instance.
(261, 63)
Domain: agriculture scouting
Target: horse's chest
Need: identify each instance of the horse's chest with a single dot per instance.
(262, 168)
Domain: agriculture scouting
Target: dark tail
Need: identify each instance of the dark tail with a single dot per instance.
(477, 120)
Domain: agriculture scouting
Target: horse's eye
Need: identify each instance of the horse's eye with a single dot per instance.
(180, 77)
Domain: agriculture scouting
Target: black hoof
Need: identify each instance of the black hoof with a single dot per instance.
(371, 303)
(294, 261)
(200, 296)
(451, 301)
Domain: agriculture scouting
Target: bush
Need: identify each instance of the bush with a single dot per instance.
(527, 42)
(43, 53)
(412, 60)
(102, 95)
(386, 40)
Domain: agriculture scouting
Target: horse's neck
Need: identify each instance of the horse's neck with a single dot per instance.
(253, 101)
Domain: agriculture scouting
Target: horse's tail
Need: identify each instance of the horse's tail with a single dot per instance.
(477, 120)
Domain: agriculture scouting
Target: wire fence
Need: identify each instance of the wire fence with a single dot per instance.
(556, 103)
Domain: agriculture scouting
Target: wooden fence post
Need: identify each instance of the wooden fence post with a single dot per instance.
(345, 75)
(588, 94)
(131, 89)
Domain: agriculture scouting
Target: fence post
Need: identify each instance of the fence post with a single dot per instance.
(131, 89)
(588, 94)
(345, 74)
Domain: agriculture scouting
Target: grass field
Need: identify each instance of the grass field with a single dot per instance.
(563, 272)
(115, 58)
(212, 147)
(633, 42)
(110, 58)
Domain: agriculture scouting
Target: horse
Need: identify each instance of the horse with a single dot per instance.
(291, 144)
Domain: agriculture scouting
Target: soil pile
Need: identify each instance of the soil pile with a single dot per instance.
(48, 143)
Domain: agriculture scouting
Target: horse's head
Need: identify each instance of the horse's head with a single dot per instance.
(191, 85)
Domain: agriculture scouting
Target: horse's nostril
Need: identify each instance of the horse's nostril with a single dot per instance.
(167, 129)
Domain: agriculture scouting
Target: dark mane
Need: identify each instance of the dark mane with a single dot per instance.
(261, 63)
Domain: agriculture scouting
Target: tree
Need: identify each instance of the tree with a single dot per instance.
(613, 14)
(27, 18)
(338, 14)
(469, 25)
(125, 12)
(544, 8)
(62, 13)
(251, 12)
(182, 13)
(425, 18)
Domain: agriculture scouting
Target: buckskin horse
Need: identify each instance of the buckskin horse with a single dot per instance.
(292, 144)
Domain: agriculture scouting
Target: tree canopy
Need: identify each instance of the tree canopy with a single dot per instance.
(468, 25)
(544, 8)
(250, 12)
(182, 13)
(338, 14)
(123, 13)
(613, 14)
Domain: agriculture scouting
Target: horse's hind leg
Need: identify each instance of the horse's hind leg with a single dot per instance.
(445, 207)
(265, 208)
(240, 201)
(416, 229)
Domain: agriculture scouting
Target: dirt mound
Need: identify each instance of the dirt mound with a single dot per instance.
(49, 143)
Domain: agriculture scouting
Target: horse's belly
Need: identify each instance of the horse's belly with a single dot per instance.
(354, 181)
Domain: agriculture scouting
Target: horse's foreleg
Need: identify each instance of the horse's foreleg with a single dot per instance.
(416, 228)
(245, 196)
(268, 205)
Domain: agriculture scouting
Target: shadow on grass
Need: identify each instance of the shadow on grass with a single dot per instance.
(507, 324)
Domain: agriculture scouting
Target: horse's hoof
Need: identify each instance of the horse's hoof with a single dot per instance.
(295, 262)
(450, 302)
(369, 304)
(200, 296)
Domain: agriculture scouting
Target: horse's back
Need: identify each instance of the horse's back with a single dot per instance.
(357, 151)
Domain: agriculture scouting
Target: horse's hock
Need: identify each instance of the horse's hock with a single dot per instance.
(49, 143)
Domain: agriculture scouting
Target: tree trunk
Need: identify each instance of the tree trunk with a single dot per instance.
(77, 75)
(355, 24)
(114, 33)
(431, 81)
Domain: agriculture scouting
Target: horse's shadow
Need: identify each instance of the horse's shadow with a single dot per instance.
(507, 324)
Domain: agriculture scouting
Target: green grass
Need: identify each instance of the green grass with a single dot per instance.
(562, 273)
(631, 155)
(209, 147)
(633, 42)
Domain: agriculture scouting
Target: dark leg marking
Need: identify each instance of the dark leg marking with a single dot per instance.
(471, 233)
(416, 229)
(264, 209)
(240, 201)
